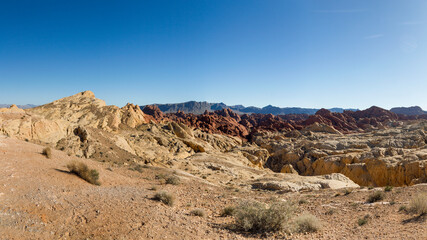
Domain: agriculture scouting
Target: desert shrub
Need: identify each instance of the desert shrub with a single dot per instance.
(174, 180)
(403, 208)
(418, 204)
(165, 198)
(330, 212)
(160, 176)
(83, 171)
(308, 223)
(47, 152)
(257, 217)
(198, 212)
(363, 221)
(375, 197)
(228, 211)
(388, 188)
(137, 168)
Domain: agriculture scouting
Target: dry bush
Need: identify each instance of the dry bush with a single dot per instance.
(308, 223)
(418, 204)
(257, 217)
(375, 197)
(198, 212)
(83, 171)
(165, 198)
(174, 180)
(47, 152)
(228, 211)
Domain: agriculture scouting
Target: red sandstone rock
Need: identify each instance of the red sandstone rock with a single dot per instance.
(226, 121)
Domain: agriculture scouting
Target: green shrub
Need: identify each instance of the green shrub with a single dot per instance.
(198, 212)
(363, 221)
(228, 211)
(165, 198)
(375, 197)
(403, 208)
(418, 204)
(257, 217)
(308, 223)
(388, 188)
(83, 171)
(47, 152)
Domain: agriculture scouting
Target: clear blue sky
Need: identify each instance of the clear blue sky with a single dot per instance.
(300, 53)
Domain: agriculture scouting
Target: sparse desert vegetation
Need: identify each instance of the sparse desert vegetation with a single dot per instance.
(47, 151)
(375, 197)
(308, 223)
(174, 180)
(165, 198)
(228, 211)
(364, 220)
(198, 212)
(83, 171)
(418, 204)
(258, 217)
(208, 190)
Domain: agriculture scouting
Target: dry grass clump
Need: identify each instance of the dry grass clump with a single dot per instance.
(198, 212)
(228, 211)
(47, 152)
(83, 171)
(165, 198)
(418, 204)
(174, 180)
(308, 223)
(375, 197)
(257, 217)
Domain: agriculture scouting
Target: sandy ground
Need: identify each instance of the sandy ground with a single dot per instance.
(40, 199)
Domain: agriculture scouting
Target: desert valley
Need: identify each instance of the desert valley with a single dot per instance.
(77, 168)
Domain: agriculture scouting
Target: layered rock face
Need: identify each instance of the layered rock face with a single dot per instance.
(227, 122)
(12, 109)
(371, 147)
(84, 109)
(395, 156)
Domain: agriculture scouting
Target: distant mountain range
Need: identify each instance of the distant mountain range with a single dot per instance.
(20, 106)
(415, 110)
(201, 107)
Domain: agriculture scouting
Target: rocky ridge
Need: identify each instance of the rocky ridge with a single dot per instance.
(371, 147)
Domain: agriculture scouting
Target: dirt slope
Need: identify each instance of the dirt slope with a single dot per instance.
(41, 200)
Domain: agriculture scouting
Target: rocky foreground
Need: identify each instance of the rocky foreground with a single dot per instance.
(221, 158)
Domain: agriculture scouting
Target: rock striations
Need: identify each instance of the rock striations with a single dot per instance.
(371, 147)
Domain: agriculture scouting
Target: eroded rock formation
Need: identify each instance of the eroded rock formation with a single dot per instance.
(371, 147)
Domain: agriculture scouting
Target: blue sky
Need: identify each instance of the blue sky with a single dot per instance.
(286, 53)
